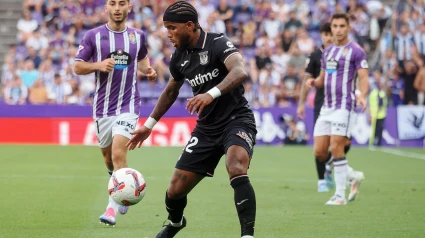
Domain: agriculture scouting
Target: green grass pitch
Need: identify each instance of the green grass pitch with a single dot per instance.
(54, 191)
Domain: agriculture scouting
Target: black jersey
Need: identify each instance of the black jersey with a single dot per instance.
(204, 68)
(313, 70)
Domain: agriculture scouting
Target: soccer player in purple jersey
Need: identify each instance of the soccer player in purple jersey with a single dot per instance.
(115, 53)
(341, 62)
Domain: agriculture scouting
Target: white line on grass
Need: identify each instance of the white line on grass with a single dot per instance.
(400, 152)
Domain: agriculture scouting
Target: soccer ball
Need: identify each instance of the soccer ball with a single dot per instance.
(127, 186)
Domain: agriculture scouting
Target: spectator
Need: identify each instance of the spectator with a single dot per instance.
(38, 93)
(29, 74)
(59, 92)
(26, 26)
(397, 89)
(16, 92)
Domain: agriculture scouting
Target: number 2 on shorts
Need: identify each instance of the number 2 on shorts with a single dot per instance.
(193, 141)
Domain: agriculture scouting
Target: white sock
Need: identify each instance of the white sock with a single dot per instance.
(351, 174)
(113, 204)
(340, 167)
(321, 181)
(179, 224)
(247, 237)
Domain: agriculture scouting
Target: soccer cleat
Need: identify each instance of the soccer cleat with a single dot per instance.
(336, 200)
(329, 180)
(355, 184)
(170, 231)
(321, 186)
(108, 218)
(122, 209)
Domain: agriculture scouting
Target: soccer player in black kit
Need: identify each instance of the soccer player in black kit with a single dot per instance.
(312, 71)
(212, 65)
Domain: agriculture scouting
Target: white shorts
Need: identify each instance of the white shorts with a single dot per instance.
(337, 122)
(108, 127)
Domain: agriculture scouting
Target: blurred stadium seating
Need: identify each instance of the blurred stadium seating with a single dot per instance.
(39, 40)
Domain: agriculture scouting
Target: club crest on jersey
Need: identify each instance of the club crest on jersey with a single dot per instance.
(345, 52)
(203, 58)
(364, 64)
(132, 38)
(331, 66)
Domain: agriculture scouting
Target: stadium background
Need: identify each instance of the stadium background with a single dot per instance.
(59, 191)
(39, 40)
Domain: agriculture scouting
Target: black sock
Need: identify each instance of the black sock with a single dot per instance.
(347, 148)
(245, 203)
(320, 166)
(175, 208)
(110, 173)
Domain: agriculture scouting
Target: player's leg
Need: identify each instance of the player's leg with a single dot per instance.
(199, 159)
(182, 182)
(104, 136)
(238, 143)
(322, 131)
(321, 167)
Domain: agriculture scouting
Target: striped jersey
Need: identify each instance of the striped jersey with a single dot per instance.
(340, 64)
(116, 91)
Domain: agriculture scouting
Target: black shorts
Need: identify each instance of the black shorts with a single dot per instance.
(202, 153)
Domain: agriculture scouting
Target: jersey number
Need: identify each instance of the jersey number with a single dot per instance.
(193, 141)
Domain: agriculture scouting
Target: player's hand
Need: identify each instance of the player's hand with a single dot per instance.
(139, 136)
(301, 112)
(361, 101)
(198, 103)
(309, 83)
(107, 65)
(151, 74)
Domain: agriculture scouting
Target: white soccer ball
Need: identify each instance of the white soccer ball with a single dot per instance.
(127, 186)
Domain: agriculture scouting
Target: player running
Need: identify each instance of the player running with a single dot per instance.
(115, 53)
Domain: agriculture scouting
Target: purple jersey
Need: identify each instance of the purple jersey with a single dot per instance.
(340, 64)
(116, 91)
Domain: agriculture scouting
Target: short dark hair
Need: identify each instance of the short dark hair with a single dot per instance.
(341, 15)
(325, 28)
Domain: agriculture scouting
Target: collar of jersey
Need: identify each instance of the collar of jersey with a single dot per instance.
(342, 46)
(201, 41)
(109, 29)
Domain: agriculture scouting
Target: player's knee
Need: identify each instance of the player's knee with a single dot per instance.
(174, 192)
(237, 164)
(322, 155)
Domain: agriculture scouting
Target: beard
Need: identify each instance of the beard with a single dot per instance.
(121, 19)
(184, 41)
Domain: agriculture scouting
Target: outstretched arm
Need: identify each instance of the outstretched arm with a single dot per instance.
(167, 98)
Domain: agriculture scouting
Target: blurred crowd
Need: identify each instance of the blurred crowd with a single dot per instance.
(275, 38)
(400, 70)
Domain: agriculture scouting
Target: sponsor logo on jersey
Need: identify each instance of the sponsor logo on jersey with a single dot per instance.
(202, 78)
(331, 66)
(122, 59)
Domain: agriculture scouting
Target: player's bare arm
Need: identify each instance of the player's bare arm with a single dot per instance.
(234, 78)
(364, 87)
(419, 83)
(303, 95)
(144, 66)
(319, 82)
(83, 68)
(167, 98)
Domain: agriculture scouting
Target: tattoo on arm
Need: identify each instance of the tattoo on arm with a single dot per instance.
(180, 176)
(167, 98)
(236, 74)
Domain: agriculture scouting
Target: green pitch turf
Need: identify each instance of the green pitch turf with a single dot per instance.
(53, 191)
